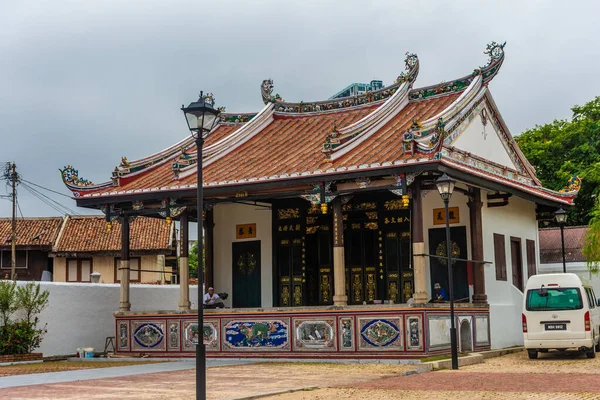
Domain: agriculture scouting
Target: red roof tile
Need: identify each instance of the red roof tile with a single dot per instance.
(89, 234)
(30, 231)
(551, 246)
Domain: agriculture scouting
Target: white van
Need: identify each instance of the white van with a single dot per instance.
(560, 312)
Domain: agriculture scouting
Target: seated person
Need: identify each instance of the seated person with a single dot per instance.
(439, 294)
(212, 300)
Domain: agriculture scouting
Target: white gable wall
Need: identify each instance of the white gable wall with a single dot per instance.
(483, 141)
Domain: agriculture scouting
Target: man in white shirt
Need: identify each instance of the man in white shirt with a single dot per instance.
(212, 299)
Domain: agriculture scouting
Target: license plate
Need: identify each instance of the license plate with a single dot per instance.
(556, 327)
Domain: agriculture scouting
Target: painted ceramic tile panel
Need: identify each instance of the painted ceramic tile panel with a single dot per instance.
(380, 333)
(482, 335)
(148, 335)
(439, 331)
(414, 332)
(123, 335)
(346, 330)
(173, 335)
(262, 334)
(314, 334)
(191, 335)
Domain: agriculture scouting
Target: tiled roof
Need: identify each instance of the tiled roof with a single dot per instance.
(293, 144)
(89, 234)
(551, 246)
(30, 231)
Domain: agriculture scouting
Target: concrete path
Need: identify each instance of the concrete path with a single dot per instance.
(103, 373)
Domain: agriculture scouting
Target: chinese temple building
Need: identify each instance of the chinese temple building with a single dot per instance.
(324, 225)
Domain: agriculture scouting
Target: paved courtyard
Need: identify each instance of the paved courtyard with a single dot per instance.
(509, 377)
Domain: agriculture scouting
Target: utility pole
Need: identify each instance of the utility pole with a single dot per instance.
(13, 262)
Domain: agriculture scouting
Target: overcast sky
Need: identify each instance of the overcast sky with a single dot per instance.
(86, 82)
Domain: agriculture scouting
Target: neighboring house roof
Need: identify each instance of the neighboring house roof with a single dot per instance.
(551, 246)
(379, 132)
(31, 232)
(89, 234)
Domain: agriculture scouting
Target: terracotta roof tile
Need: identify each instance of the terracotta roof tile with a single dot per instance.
(89, 234)
(30, 231)
(551, 246)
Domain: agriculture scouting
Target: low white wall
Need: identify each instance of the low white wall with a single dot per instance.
(81, 314)
(505, 320)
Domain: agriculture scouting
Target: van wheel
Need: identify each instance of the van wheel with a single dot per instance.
(598, 346)
(533, 355)
(591, 353)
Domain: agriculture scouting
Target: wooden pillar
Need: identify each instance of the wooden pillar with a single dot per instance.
(418, 245)
(475, 204)
(184, 267)
(124, 304)
(339, 268)
(208, 249)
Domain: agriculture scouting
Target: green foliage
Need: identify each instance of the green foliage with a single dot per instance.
(591, 249)
(32, 300)
(193, 260)
(564, 148)
(21, 336)
(8, 300)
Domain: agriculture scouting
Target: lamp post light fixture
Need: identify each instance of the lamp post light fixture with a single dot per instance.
(561, 219)
(445, 186)
(201, 117)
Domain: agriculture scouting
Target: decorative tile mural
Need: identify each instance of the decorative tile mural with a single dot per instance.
(414, 332)
(482, 330)
(346, 329)
(148, 336)
(191, 335)
(439, 331)
(123, 330)
(380, 333)
(267, 334)
(314, 334)
(173, 335)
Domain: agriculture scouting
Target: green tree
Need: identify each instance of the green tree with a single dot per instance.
(591, 249)
(193, 260)
(8, 300)
(32, 300)
(564, 148)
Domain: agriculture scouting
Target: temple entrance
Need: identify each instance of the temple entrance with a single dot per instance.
(246, 274)
(360, 244)
(439, 266)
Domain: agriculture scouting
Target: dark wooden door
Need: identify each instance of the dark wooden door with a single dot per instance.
(439, 266)
(360, 244)
(517, 262)
(246, 274)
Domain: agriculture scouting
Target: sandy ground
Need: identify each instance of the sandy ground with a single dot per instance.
(58, 366)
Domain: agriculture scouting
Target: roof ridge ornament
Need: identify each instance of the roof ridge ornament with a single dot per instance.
(267, 92)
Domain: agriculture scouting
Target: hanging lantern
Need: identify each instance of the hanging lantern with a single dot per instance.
(405, 201)
(323, 208)
(108, 226)
(203, 215)
(169, 221)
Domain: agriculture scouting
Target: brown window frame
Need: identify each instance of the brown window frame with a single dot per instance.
(514, 268)
(139, 269)
(79, 269)
(531, 257)
(500, 257)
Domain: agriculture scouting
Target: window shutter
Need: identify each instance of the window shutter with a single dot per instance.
(531, 264)
(500, 256)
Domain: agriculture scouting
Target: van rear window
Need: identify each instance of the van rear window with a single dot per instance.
(553, 299)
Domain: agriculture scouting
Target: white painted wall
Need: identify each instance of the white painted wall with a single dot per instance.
(81, 314)
(483, 141)
(226, 217)
(516, 219)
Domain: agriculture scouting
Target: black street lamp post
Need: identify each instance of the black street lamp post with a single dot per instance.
(445, 186)
(561, 218)
(201, 117)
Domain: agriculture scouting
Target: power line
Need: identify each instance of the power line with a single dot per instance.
(45, 188)
(70, 211)
(45, 201)
(48, 201)
(20, 212)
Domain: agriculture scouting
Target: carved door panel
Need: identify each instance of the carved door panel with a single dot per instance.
(361, 263)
